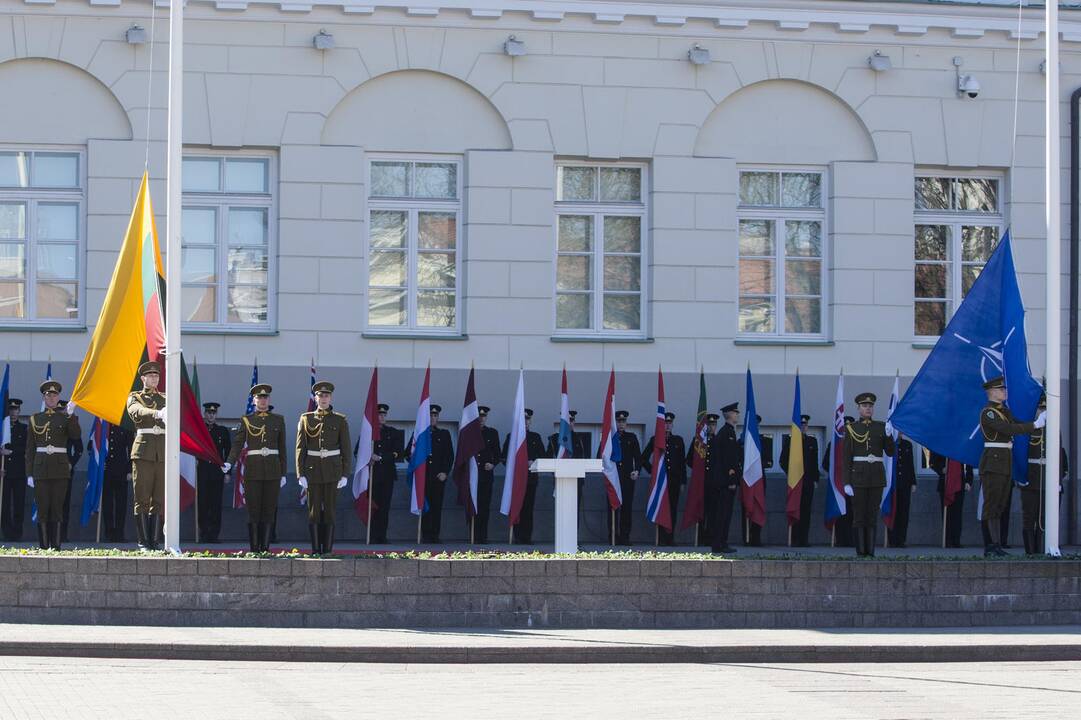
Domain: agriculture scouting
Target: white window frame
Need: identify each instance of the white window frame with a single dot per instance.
(413, 206)
(598, 210)
(954, 220)
(779, 215)
(31, 197)
(221, 201)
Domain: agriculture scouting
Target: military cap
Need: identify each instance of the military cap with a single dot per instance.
(483, 410)
(382, 408)
(758, 418)
(436, 408)
(50, 386)
(572, 414)
(149, 367)
(529, 412)
(211, 406)
(995, 382)
(731, 407)
(866, 397)
(323, 386)
(669, 416)
(261, 390)
(805, 418)
(712, 418)
(849, 418)
(14, 403)
(622, 414)
(270, 408)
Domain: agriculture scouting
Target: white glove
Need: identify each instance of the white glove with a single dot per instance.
(30, 481)
(849, 491)
(889, 428)
(303, 482)
(70, 408)
(283, 482)
(160, 414)
(226, 467)
(341, 483)
(1040, 420)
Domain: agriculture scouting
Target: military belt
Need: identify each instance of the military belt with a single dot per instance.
(1034, 461)
(323, 453)
(867, 459)
(263, 451)
(998, 444)
(52, 450)
(150, 431)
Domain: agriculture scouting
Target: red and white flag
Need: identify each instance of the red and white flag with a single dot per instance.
(470, 444)
(657, 503)
(610, 452)
(369, 430)
(514, 484)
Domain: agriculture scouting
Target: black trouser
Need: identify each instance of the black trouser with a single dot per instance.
(801, 531)
(664, 536)
(625, 513)
(954, 515)
(866, 506)
(114, 506)
(382, 492)
(210, 492)
(711, 494)
(1004, 520)
(67, 508)
(12, 507)
(485, 480)
(902, 495)
(432, 520)
(842, 529)
(523, 531)
(726, 498)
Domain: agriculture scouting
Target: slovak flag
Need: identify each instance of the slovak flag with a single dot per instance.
(657, 508)
(754, 496)
(566, 442)
(421, 449)
(610, 451)
(836, 504)
(889, 496)
(514, 484)
(369, 430)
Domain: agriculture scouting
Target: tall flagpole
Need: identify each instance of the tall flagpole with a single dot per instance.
(1054, 282)
(172, 277)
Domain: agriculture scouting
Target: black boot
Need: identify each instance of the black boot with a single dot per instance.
(264, 536)
(55, 535)
(43, 541)
(140, 532)
(1029, 538)
(313, 531)
(253, 541)
(320, 533)
(153, 531)
(327, 539)
(869, 541)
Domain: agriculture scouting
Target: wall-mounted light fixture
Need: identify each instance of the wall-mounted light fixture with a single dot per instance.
(698, 55)
(323, 40)
(136, 35)
(514, 47)
(879, 62)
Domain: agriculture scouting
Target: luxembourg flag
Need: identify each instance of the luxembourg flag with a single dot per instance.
(836, 505)
(754, 496)
(566, 446)
(514, 483)
(657, 508)
(610, 451)
(421, 449)
(889, 495)
(369, 430)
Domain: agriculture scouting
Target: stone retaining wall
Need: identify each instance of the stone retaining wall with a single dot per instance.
(368, 592)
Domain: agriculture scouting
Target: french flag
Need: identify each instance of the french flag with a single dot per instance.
(754, 497)
(610, 451)
(657, 507)
(470, 444)
(835, 499)
(889, 496)
(514, 484)
(369, 430)
(566, 446)
(421, 449)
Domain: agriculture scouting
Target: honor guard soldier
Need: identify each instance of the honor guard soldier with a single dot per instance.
(387, 450)
(146, 408)
(999, 426)
(264, 465)
(534, 445)
(114, 487)
(323, 464)
(674, 453)
(842, 526)
(440, 463)
(728, 476)
(902, 494)
(866, 441)
(710, 488)
(487, 459)
(579, 449)
(629, 465)
(47, 461)
(13, 502)
(1032, 494)
(75, 453)
(802, 529)
(211, 477)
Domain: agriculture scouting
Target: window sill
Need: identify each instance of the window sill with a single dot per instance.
(370, 335)
(601, 339)
(810, 342)
(261, 332)
(43, 328)
(924, 344)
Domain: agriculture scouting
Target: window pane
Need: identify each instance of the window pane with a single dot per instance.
(930, 318)
(200, 226)
(386, 307)
(56, 170)
(755, 237)
(12, 221)
(12, 261)
(247, 266)
(969, 273)
(58, 222)
(247, 226)
(756, 277)
(202, 175)
(932, 281)
(621, 185)
(976, 194)
(756, 315)
(574, 272)
(57, 261)
(14, 169)
(436, 180)
(247, 304)
(198, 265)
(244, 175)
(758, 188)
(436, 230)
(932, 242)
(387, 229)
(801, 190)
(622, 273)
(57, 301)
(803, 315)
(12, 300)
(622, 312)
(197, 303)
(574, 312)
(387, 268)
(575, 233)
(802, 277)
(803, 238)
(435, 270)
(390, 179)
(622, 234)
(435, 309)
(577, 183)
(933, 194)
(977, 243)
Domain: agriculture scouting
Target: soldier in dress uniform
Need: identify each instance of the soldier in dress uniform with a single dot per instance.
(387, 450)
(954, 512)
(999, 426)
(842, 526)
(802, 529)
(75, 453)
(146, 408)
(754, 534)
(534, 447)
(440, 463)
(13, 503)
(675, 453)
(114, 488)
(210, 478)
(711, 486)
(1032, 494)
(866, 442)
(487, 459)
(323, 464)
(902, 494)
(629, 466)
(264, 465)
(729, 473)
(579, 450)
(48, 462)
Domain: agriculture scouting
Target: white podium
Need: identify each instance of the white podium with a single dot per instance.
(567, 472)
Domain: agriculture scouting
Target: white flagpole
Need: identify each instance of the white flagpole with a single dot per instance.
(172, 277)
(1054, 282)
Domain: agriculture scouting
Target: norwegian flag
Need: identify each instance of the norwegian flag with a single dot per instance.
(311, 408)
(470, 444)
(610, 451)
(836, 504)
(242, 459)
(369, 430)
(657, 508)
(517, 476)
(420, 449)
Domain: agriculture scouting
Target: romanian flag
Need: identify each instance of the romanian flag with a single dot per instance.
(795, 460)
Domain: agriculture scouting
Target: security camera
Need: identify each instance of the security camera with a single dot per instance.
(968, 85)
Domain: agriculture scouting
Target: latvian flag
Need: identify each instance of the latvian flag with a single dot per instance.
(470, 444)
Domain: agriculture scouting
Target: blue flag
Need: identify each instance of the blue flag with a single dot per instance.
(97, 449)
(985, 339)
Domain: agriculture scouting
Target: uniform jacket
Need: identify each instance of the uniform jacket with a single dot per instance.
(118, 459)
(729, 465)
(999, 426)
(632, 454)
(142, 406)
(1037, 451)
(534, 447)
(675, 453)
(75, 451)
(938, 464)
(866, 438)
(766, 442)
(810, 456)
(220, 435)
(579, 445)
(390, 448)
(490, 454)
(442, 458)
(906, 468)
(15, 464)
(51, 429)
(260, 430)
(320, 430)
(708, 459)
